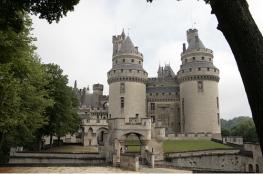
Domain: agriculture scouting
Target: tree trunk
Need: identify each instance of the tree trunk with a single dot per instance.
(58, 141)
(51, 139)
(2, 137)
(246, 42)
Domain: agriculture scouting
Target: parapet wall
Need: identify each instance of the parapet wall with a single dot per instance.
(129, 162)
(56, 158)
(217, 160)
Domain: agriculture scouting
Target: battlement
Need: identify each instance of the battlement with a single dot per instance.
(192, 30)
(98, 87)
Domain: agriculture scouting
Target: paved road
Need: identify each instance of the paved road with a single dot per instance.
(85, 170)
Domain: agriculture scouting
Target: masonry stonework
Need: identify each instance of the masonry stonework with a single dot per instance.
(169, 105)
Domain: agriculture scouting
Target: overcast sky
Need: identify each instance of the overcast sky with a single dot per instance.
(81, 42)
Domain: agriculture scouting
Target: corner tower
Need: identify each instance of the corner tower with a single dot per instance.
(198, 79)
(127, 78)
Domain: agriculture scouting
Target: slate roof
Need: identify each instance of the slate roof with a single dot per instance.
(127, 46)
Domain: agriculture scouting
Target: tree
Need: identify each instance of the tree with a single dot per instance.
(62, 116)
(239, 126)
(51, 10)
(246, 42)
(22, 97)
(245, 129)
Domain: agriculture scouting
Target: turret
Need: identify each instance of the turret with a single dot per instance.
(127, 78)
(198, 79)
(98, 89)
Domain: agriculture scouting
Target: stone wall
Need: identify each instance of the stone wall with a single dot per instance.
(200, 107)
(134, 100)
(248, 159)
(129, 162)
(207, 160)
(256, 161)
(55, 158)
(220, 163)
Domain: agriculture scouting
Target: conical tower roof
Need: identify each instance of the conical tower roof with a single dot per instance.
(193, 40)
(127, 46)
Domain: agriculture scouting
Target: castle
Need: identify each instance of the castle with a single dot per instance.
(179, 104)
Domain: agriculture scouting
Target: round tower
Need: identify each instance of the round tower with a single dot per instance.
(98, 89)
(127, 81)
(198, 79)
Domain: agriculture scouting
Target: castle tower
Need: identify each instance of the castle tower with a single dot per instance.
(98, 89)
(198, 79)
(127, 97)
(127, 78)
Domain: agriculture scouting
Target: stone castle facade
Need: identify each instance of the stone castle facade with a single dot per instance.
(175, 104)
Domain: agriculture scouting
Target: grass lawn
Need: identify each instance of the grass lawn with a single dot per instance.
(190, 145)
(180, 145)
(133, 148)
(133, 145)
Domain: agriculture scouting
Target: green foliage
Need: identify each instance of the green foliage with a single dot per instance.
(23, 98)
(11, 10)
(32, 96)
(228, 124)
(240, 126)
(225, 132)
(62, 116)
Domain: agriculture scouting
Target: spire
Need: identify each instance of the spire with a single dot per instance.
(75, 84)
(193, 40)
(123, 34)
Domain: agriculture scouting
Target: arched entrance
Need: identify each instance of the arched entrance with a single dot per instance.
(101, 136)
(90, 136)
(132, 143)
(250, 168)
(257, 168)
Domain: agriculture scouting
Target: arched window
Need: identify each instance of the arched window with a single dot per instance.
(122, 88)
(200, 86)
